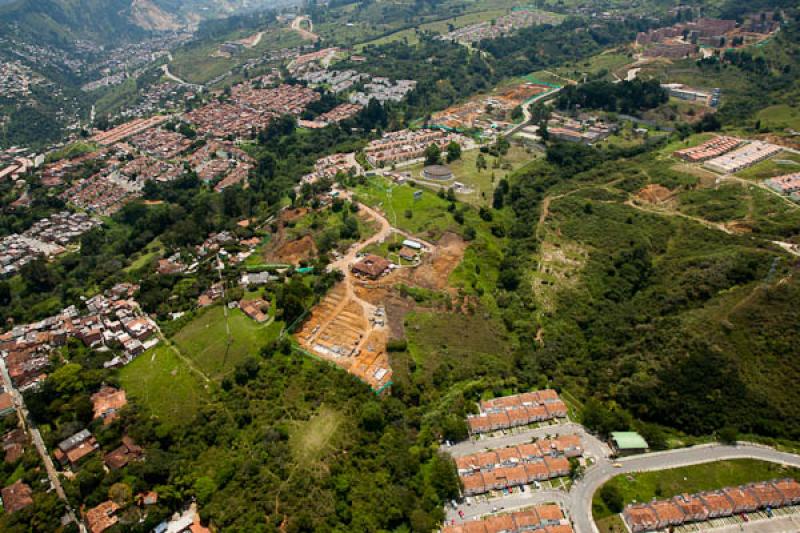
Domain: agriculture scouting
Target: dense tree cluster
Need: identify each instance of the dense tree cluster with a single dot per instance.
(624, 97)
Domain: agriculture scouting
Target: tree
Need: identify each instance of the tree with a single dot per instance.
(432, 154)
(121, 494)
(453, 151)
(5, 293)
(612, 497)
(480, 163)
(728, 435)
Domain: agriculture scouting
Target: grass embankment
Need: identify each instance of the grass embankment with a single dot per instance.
(205, 340)
(665, 484)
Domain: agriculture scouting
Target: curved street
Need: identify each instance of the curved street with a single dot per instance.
(577, 503)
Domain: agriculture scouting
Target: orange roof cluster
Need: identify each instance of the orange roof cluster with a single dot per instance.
(687, 508)
(709, 149)
(517, 465)
(542, 518)
(517, 410)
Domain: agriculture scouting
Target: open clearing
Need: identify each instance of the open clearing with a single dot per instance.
(481, 183)
(161, 383)
(205, 340)
(311, 439)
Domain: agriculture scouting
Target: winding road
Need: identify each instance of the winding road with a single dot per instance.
(578, 501)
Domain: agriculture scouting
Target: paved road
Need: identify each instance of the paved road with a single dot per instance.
(578, 501)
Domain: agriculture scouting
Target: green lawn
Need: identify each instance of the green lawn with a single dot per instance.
(783, 163)
(779, 117)
(163, 385)
(645, 486)
(205, 340)
(481, 182)
(429, 215)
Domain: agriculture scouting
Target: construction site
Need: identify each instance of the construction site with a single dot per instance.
(350, 333)
(489, 113)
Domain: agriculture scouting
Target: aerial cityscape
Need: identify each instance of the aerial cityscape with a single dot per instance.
(455, 266)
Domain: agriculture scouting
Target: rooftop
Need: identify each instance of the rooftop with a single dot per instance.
(628, 440)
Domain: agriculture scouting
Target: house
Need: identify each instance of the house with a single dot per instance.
(549, 514)
(668, 514)
(693, 508)
(107, 402)
(515, 476)
(473, 484)
(372, 267)
(16, 496)
(409, 254)
(508, 456)
(129, 451)
(498, 421)
(790, 490)
(556, 409)
(569, 445)
(478, 424)
(13, 444)
(75, 448)
(6, 404)
(743, 500)
(766, 494)
(557, 466)
(536, 471)
(256, 309)
(640, 517)
(717, 504)
(100, 518)
(529, 452)
(500, 523)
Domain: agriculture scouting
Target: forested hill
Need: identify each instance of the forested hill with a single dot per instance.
(59, 22)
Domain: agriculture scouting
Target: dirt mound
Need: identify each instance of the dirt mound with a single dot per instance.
(436, 268)
(292, 214)
(654, 194)
(293, 252)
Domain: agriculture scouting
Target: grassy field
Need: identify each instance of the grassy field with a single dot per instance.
(311, 439)
(611, 62)
(152, 251)
(483, 182)
(783, 163)
(429, 214)
(161, 383)
(779, 117)
(196, 64)
(440, 26)
(204, 340)
(645, 486)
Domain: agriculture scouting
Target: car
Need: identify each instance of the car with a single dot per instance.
(461, 513)
(494, 509)
(522, 488)
(617, 465)
(745, 517)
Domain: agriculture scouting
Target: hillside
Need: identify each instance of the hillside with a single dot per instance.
(59, 22)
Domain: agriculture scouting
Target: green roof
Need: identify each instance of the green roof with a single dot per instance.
(628, 440)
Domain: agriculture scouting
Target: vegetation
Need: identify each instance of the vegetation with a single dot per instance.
(645, 486)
